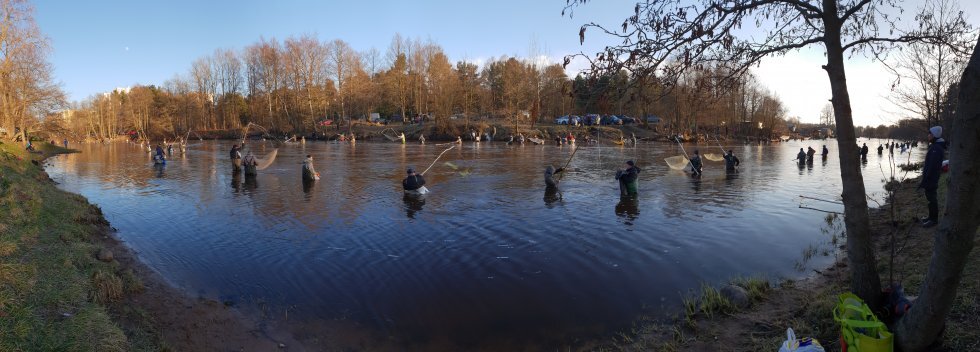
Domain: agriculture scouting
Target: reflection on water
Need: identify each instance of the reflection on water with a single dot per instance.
(482, 258)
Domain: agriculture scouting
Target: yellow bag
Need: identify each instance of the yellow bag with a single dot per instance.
(861, 331)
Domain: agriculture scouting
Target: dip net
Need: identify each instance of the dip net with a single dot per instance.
(678, 162)
(265, 162)
(713, 156)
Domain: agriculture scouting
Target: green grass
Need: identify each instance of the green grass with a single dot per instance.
(54, 294)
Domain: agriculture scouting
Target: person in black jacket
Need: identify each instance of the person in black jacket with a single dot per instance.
(930, 173)
(696, 164)
(413, 181)
(731, 161)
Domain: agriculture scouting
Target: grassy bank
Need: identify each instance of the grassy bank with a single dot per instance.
(709, 322)
(55, 292)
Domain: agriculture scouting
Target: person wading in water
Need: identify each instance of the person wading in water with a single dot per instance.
(236, 158)
(413, 182)
(627, 179)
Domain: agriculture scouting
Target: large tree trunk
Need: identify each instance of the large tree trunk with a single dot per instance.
(865, 281)
(957, 230)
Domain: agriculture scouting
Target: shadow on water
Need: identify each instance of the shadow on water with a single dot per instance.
(413, 204)
(628, 209)
(552, 197)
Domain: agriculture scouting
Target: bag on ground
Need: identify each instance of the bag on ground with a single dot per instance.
(861, 331)
(806, 344)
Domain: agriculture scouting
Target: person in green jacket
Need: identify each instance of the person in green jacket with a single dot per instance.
(627, 179)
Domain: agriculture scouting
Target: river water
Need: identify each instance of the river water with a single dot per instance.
(487, 258)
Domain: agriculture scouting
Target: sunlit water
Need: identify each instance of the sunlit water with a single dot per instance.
(487, 256)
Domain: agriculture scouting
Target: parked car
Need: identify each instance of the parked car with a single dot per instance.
(564, 120)
(653, 120)
(591, 119)
(610, 120)
(627, 120)
(575, 120)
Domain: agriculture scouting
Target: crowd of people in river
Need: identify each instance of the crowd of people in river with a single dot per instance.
(627, 176)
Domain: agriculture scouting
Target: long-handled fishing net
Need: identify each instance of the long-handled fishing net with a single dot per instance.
(678, 162)
(262, 164)
(437, 159)
(713, 156)
(569, 161)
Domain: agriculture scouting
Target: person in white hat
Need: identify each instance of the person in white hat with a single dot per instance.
(931, 169)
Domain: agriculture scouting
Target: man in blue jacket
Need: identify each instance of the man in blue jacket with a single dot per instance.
(931, 169)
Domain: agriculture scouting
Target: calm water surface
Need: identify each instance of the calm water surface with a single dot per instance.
(486, 257)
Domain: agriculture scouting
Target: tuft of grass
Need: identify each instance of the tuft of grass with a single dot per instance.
(712, 302)
(107, 287)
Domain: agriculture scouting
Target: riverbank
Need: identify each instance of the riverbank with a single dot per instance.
(716, 324)
(67, 284)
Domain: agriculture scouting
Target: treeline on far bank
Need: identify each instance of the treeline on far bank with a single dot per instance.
(304, 85)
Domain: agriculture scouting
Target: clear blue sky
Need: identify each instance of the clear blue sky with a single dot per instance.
(100, 45)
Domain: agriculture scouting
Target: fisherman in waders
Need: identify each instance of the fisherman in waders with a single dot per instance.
(864, 151)
(825, 152)
(549, 177)
(801, 157)
(810, 152)
(931, 169)
(413, 182)
(696, 165)
(309, 173)
(731, 161)
(627, 179)
(236, 158)
(250, 164)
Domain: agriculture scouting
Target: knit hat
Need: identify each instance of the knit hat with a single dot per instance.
(630, 163)
(936, 131)
(411, 170)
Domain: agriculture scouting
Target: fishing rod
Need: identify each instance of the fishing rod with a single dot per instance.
(437, 159)
(822, 200)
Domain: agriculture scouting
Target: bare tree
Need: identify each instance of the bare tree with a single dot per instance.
(926, 71)
(955, 238)
(27, 88)
(663, 39)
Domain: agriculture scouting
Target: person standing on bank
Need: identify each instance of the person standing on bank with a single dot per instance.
(931, 169)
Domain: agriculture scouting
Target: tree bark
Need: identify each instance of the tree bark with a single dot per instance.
(865, 281)
(955, 237)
